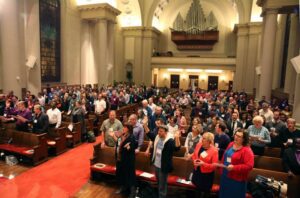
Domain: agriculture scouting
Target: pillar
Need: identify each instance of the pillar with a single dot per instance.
(241, 56)
(102, 52)
(12, 48)
(293, 49)
(267, 53)
(296, 105)
(111, 51)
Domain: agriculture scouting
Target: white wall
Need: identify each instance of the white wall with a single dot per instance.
(70, 42)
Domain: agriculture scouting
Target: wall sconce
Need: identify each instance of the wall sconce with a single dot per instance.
(165, 76)
(222, 78)
(202, 78)
(184, 77)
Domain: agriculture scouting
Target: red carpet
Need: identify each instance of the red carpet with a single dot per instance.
(59, 177)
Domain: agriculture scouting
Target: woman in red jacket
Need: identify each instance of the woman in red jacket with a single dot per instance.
(204, 157)
(239, 160)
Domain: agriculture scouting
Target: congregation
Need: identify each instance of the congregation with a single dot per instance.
(221, 129)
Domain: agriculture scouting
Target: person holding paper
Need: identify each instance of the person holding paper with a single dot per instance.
(238, 161)
(125, 159)
(288, 136)
(204, 159)
(259, 136)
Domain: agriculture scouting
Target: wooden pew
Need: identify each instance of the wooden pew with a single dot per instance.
(24, 145)
(272, 152)
(56, 139)
(268, 163)
(74, 136)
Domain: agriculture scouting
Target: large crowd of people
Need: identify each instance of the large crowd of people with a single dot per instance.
(223, 129)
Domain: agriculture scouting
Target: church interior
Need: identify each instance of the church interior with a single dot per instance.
(75, 73)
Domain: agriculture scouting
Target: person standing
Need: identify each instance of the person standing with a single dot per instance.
(109, 125)
(238, 160)
(164, 146)
(40, 120)
(204, 158)
(125, 159)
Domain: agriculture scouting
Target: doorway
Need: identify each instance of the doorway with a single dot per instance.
(213, 82)
(174, 82)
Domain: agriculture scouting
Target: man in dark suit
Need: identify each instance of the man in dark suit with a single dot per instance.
(40, 122)
(233, 124)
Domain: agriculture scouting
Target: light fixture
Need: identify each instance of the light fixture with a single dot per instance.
(184, 76)
(215, 71)
(175, 70)
(222, 78)
(165, 76)
(194, 70)
(202, 77)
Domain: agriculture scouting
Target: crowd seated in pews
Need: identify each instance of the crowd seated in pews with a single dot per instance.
(192, 113)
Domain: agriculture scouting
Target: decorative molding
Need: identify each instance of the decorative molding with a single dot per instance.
(206, 63)
(139, 31)
(98, 11)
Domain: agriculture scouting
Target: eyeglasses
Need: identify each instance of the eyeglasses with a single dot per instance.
(239, 136)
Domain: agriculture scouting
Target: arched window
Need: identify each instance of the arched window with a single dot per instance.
(50, 40)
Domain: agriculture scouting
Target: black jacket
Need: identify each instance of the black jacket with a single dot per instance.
(125, 171)
(40, 123)
(167, 152)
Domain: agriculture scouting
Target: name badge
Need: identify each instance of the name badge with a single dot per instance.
(203, 154)
(290, 141)
(217, 145)
(35, 121)
(110, 129)
(5, 115)
(158, 151)
(228, 159)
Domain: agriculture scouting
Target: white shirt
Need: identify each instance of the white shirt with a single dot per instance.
(42, 101)
(54, 117)
(152, 106)
(100, 105)
(268, 115)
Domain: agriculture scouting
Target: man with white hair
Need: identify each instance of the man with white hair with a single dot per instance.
(146, 109)
(157, 114)
(138, 131)
(259, 136)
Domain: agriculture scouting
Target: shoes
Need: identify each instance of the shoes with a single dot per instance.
(132, 192)
(121, 190)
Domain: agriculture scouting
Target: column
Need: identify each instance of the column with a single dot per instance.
(278, 54)
(111, 51)
(241, 56)
(14, 77)
(253, 45)
(267, 53)
(85, 51)
(102, 52)
(293, 49)
(296, 106)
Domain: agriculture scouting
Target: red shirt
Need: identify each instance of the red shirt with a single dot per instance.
(209, 158)
(242, 161)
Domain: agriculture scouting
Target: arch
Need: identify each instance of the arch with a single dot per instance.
(131, 13)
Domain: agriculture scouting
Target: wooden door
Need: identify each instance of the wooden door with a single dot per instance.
(174, 82)
(213, 82)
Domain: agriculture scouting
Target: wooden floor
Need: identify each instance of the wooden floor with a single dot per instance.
(92, 189)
